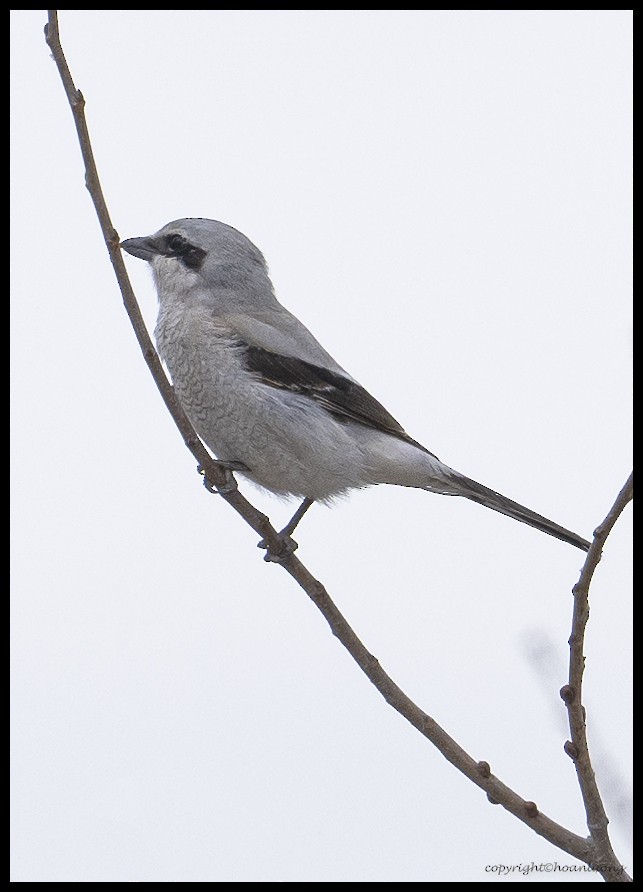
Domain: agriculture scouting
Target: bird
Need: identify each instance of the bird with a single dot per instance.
(264, 395)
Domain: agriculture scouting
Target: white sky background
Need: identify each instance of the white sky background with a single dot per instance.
(443, 197)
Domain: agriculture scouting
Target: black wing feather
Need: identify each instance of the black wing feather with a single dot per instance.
(344, 399)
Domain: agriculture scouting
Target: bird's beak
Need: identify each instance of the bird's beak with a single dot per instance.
(144, 248)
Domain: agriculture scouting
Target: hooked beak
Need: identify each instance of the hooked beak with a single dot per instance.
(144, 248)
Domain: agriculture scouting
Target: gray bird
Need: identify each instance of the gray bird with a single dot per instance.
(263, 393)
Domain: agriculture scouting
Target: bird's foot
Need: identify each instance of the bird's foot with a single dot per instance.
(230, 484)
(287, 543)
(286, 546)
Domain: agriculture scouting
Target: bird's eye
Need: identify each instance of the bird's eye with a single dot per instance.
(178, 246)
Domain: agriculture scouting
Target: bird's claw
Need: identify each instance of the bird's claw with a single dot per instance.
(230, 484)
(287, 546)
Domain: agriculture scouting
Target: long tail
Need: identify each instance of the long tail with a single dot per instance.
(464, 486)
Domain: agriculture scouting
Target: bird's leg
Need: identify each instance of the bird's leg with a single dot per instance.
(297, 516)
(230, 483)
(288, 544)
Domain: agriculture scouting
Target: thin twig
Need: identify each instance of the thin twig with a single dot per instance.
(477, 771)
(571, 693)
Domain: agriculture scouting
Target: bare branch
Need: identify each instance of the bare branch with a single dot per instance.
(577, 748)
